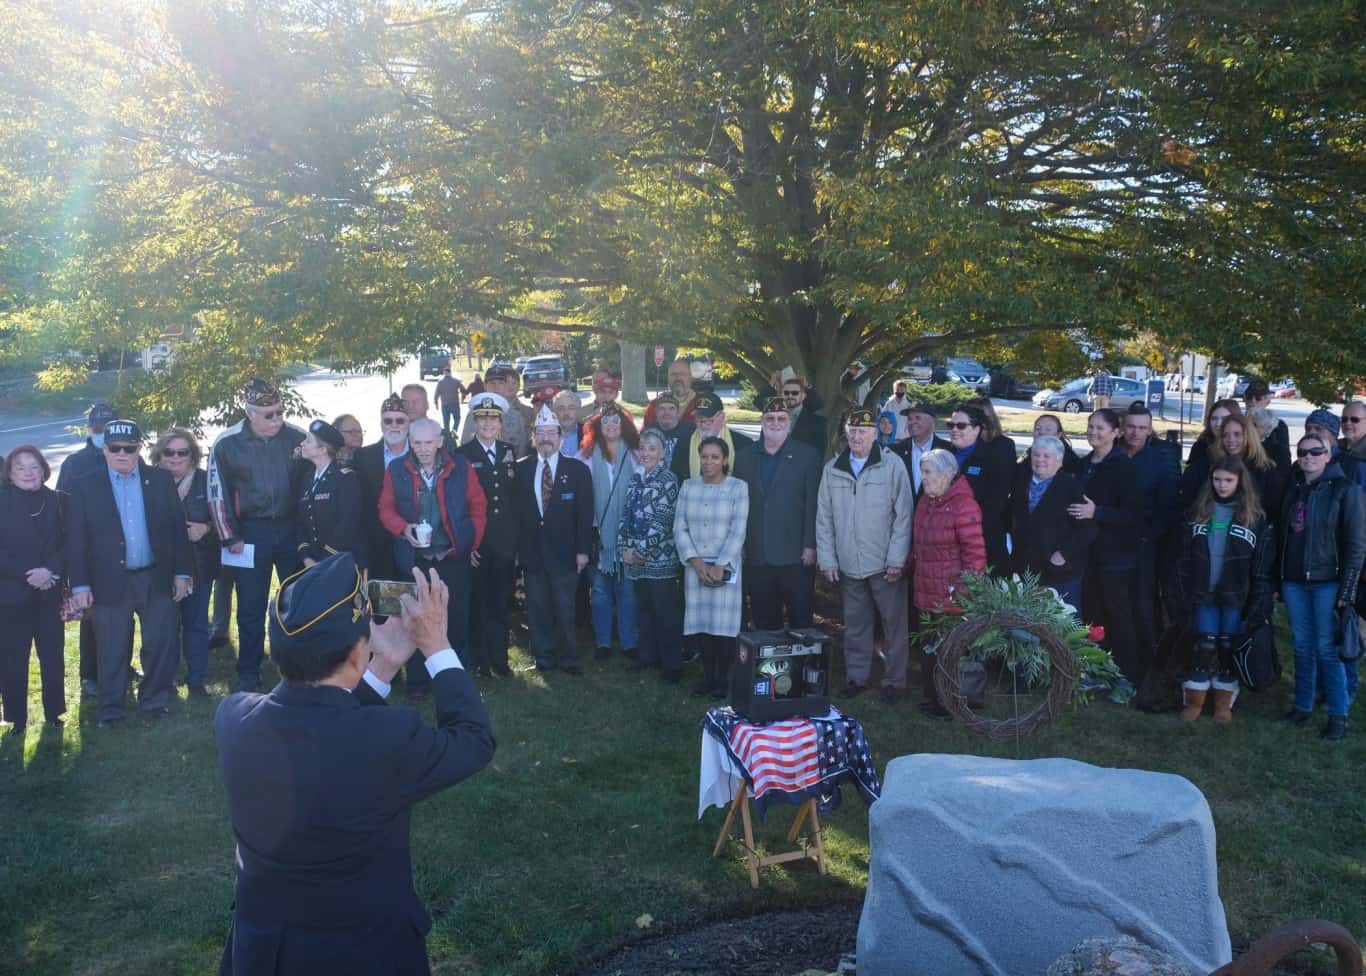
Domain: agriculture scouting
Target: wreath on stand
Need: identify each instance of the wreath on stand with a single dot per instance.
(1034, 635)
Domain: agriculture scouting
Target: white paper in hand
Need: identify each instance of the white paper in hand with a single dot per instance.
(245, 559)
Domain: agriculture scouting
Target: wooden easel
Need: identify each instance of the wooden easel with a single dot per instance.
(741, 804)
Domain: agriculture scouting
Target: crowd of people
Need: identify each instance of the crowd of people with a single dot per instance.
(669, 537)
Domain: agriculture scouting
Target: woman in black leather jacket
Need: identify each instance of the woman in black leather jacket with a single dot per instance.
(1322, 545)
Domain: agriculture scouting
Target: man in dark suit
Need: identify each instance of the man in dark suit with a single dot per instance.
(783, 475)
(321, 780)
(88, 458)
(554, 512)
(127, 552)
(491, 583)
(370, 463)
(920, 441)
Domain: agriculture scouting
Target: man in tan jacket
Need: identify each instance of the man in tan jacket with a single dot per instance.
(863, 533)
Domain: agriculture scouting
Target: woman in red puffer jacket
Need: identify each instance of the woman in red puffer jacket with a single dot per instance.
(946, 542)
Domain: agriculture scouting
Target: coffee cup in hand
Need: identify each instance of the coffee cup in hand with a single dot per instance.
(422, 531)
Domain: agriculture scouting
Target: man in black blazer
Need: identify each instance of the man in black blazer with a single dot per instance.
(89, 458)
(321, 780)
(495, 560)
(370, 463)
(127, 552)
(783, 475)
(554, 511)
(920, 441)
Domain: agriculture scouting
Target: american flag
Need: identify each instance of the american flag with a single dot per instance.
(781, 756)
(798, 757)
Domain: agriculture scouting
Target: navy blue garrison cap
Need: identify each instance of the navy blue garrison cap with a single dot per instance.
(320, 609)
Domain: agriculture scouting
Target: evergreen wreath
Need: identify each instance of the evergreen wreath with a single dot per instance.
(1032, 632)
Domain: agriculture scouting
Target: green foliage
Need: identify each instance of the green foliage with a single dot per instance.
(1020, 652)
(944, 397)
(782, 183)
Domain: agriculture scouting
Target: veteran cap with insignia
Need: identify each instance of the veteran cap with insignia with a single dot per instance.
(316, 617)
(861, 417)
(486, 406)
(547, 418)
(393, 403)
(259, 393)
(122, 432)
(707, 405)
(775, 404)
(328, 434)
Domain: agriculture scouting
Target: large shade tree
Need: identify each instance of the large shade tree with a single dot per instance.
(784, 182)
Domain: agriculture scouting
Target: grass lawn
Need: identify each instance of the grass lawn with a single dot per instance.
(117, 853)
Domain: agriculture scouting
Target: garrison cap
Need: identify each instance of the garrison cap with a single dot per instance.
(320, 609)
(259, 393)
(328, 434)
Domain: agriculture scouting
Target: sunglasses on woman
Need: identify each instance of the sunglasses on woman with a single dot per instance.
(176, 452)
(1311, 451)
(959, 425)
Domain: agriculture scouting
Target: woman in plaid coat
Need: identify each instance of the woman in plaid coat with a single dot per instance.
(646, 546)
(709, 530)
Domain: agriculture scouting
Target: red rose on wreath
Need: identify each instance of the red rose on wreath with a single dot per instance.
(1095, 633)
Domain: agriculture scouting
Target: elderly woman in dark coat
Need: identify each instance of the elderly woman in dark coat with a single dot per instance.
(30, 587)
(1046, 540)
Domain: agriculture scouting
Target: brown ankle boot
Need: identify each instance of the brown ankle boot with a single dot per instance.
(1194, 701)
(1224, 697)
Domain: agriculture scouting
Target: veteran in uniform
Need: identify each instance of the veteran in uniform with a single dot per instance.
(494, 462)
(321, 779)
(328, 518)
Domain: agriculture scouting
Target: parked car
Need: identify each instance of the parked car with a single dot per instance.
(1233, 385)
(433, 362)
(1004, 384)
(1285, 391)
(542, 371)
(969, 372)
(1076, 396)
(521, 362)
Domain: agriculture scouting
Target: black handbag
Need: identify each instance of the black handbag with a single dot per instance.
(1347, 634)
(1255, 658)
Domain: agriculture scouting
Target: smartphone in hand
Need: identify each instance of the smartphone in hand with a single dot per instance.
(384, 596)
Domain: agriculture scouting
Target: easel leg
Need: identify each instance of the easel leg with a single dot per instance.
(730, 819)
(751, 856)
(798, 820)
(816, 835)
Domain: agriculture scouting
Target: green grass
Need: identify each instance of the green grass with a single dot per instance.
(117, 853)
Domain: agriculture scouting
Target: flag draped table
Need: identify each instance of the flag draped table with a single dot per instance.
(792, 760)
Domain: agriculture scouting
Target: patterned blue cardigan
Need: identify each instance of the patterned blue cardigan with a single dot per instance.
(647, 523)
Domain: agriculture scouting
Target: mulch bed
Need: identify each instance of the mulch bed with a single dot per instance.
(775, 944)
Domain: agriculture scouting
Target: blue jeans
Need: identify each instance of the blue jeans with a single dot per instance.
(275, 551)
(1312, 608)
(610, 590)
(1212, 619)
(194, 634)
(450, 417)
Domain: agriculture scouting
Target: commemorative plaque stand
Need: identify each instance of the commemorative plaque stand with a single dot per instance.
(815, 849)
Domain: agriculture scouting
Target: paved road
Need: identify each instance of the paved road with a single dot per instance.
(327, 394)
